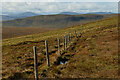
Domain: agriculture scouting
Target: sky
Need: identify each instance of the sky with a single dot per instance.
(57, 6)
(60, 0)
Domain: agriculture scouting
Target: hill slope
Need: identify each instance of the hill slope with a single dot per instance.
(53, 21)
(93, 55)
(11, 32)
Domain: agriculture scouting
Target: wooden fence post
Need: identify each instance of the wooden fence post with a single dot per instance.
(47, 54)
(59, 47)
(64, 42)
(70, 36)
(75, 34)
(78, 33)
(35, 63)
(68, 39)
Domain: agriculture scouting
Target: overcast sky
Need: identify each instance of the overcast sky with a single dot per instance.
(56, 7)
(60, 0)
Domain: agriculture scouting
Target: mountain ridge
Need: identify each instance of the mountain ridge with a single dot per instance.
(17, 16)
(53, 21)
(12, 16)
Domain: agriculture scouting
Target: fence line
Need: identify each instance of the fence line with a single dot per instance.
(66, 41)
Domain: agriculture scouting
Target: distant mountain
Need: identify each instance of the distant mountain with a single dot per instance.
(70, 13)
(25, 14)
(100, 13)
(12, 16)
(5, 17)
(17, 16)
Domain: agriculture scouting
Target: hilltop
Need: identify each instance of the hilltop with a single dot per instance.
(54, 21)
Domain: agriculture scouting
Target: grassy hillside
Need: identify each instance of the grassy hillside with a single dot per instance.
(93, 55)
(53, 21)
(11, 32)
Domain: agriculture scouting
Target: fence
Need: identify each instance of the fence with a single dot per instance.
(66, 41)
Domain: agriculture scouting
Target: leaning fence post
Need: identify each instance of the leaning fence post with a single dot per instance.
(64, 42)
(47, 54)
(59, 46)
(35, 63)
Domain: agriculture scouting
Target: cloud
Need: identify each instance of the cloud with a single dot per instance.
(56, 7)
(60, 0)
